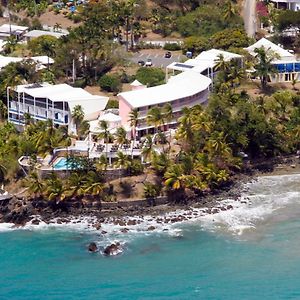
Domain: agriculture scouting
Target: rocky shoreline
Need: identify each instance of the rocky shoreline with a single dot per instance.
(21, 211)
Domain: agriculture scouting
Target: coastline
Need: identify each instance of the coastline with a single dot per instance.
(22, 212)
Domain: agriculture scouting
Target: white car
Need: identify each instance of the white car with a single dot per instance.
(148, 63)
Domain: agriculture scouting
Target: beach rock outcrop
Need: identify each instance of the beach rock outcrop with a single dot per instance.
(112, 249)
(93, 247)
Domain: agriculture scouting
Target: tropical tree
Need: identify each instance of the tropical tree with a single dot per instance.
(77, 116)
(34, 184)
(155, 117)
(55, 190)
(102, 163)
(264, 66)
(134, 119)
(121, 136)
(105, 134)
(94, 184)
(122, 162)
(148, 148)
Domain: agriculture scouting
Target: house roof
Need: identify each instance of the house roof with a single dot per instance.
(5, 60)
(136, 83)
(110, 117)
(65, 93)
(180, 86)
(5, 28)
(38, 33)
(266, 44)
(212, 55)
(205, 60)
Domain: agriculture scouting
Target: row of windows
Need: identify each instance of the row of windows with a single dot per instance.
(178, 102)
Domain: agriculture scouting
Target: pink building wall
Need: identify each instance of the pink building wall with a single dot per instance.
(124, 110)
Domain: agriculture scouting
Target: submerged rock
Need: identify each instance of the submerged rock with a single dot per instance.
(113, 249)
(151, 228)
(93, 247)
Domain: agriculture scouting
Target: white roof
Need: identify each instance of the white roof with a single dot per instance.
(66, 93)
(205, 60)
(136, 83)
(212, 55)
(5, 28)
(5, 60)
(180, 86)
(266, 44)
(42, 59)
(38, 33)
(110, 117)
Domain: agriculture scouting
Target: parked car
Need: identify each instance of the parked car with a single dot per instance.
(148, 62)
(168, 54)
(141, 63)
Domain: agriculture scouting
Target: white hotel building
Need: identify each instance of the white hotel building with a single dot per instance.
(54, 102)
(183, 90)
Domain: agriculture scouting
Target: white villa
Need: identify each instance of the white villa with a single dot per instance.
(37, 33)
(183, 90)
(6, 30)
(204, 63)
(41, 61)
(287, 65)
(55, 102)
(287, 4)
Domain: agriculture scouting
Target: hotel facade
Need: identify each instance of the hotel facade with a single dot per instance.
(55, 102)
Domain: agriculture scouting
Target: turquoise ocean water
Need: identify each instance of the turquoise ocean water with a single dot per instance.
(250, 252)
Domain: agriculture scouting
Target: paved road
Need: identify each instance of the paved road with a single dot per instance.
(249, 14)
(158, 59)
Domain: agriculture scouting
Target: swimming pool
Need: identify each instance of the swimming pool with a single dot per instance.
(62, 164)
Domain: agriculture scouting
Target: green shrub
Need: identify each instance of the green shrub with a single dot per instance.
(112, 104)
(172, 46)
(150, 76)
(151, 190)
(80, 83)
(110, 83)
(195, 44)
(135, 167)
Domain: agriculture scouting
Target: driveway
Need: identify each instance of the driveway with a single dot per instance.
(157, 57)
(249, 14)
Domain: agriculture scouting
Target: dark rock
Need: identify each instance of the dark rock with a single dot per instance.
(131, 222)
(112, 249)
(151, 228)
(97, 226)
(103, 232)
(35, 222)
(93, 247)
(124, 230)
(229, 207)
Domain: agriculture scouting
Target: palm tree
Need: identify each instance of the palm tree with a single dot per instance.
(122, 162)
(57, 27)
(77, 116)
(222, 64)
(147, 148)
(120, 136)
(155, 117)
(264, 66)
(102, 163)
(55, 190)
(93, 184)
(75, 184)
(34, 184)
(105, 134)
(48, 47)
(230, 10)
(133, 119)
(174, 177)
